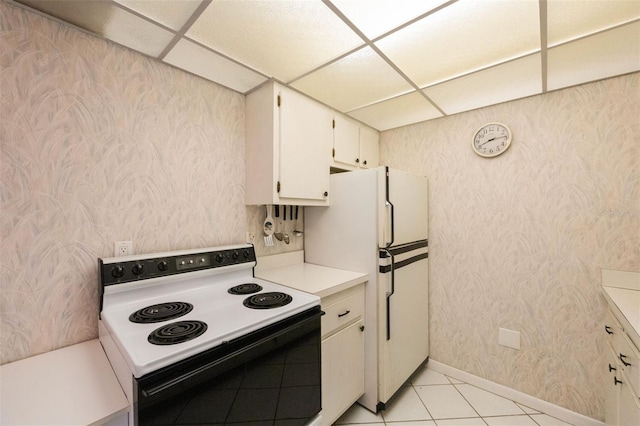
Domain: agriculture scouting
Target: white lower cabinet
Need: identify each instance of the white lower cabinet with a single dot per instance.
(342, 352)
(622, 404)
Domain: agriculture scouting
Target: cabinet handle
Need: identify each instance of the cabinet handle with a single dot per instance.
(608, 329)
(364, 162)
(362, 328)
(611, 368)
(326, 194)
(357, 160)
(346, 313)
(622, 357)
(616, 381)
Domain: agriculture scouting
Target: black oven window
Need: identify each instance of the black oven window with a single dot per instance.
(279, 387)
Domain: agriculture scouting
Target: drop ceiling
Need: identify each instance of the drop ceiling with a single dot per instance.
(386, 63)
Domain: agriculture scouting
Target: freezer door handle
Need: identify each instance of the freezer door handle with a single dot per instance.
(390, 293)
(388, 203)
(390, 243)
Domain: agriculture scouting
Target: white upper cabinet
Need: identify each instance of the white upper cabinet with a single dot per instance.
(288, 144)
(354, 145)
(369, 147)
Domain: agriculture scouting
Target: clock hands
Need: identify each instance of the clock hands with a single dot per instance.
(492, 139)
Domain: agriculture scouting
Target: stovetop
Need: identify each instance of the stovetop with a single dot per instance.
(225, 315)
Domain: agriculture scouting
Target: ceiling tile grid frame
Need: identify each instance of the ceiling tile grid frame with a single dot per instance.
(365, 57)
(283, 39)
(486, 32)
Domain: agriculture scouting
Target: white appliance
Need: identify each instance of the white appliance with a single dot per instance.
(194, 338)
(378, 224)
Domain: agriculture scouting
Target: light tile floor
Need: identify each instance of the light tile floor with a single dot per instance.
(433, 399)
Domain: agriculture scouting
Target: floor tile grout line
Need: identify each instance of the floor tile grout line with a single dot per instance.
(422, 402)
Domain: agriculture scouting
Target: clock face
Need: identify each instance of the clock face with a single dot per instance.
(491, 139)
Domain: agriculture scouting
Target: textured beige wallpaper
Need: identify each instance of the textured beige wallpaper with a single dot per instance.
(518, 241)
(100, 144)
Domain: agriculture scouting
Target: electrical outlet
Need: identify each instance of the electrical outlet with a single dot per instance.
(250, 238)
(509, 338)
(122, 248)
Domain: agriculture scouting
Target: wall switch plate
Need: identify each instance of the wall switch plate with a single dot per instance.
(122, 248)
(509, 338)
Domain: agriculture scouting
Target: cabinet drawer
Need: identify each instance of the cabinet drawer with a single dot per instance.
(342, 313)
(613, 328)
(629, 357)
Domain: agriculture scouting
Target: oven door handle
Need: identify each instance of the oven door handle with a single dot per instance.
(233, 358)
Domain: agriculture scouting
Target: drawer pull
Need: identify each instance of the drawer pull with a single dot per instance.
(622, 357)
(346, 313)
(611, 368)
(616, 381)
(608, 329)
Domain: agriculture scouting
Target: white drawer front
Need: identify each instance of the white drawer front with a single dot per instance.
(629, 357)
(342, 313)
(612, 327)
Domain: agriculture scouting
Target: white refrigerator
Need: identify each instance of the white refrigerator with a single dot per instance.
(377, 223)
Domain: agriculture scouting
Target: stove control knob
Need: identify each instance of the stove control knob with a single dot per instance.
(163, 265)
(117, 271)
(246, 254)
(235, 255)
(190, 261)
(137, 269)
(219, 257)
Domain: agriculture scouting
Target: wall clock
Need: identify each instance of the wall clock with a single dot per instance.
(491, 139)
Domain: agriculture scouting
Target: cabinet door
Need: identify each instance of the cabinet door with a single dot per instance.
(369, 148)
(342, 371)
(346, 141)
(305, 144)
(628, 405)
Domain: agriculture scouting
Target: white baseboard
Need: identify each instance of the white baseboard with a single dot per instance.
(514, 395)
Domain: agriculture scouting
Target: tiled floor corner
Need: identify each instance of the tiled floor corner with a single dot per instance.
(438, 400)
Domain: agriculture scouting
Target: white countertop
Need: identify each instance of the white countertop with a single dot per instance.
(319, 280)
(70, 386)
(622, 291)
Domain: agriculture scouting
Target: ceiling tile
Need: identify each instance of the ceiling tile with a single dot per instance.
(567, 20)
(401, 111)
(173, 14)
(200, 61)
(465, 36)
(512, 80)
(354, 81)
(376, 17)
(603, 55)
(282, 39)
(109, 21)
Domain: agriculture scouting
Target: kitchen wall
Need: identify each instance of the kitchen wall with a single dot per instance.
(101, 144)
(518, 241)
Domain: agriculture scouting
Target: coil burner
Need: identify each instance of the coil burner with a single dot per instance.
(248, 288)
(161, 312)
(177, 332)
(267, 300)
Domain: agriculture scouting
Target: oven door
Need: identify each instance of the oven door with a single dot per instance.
(270, 377)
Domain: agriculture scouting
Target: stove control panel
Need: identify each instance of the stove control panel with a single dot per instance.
(115, 271)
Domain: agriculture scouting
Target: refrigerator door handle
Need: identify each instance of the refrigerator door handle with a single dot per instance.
(390, 293)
